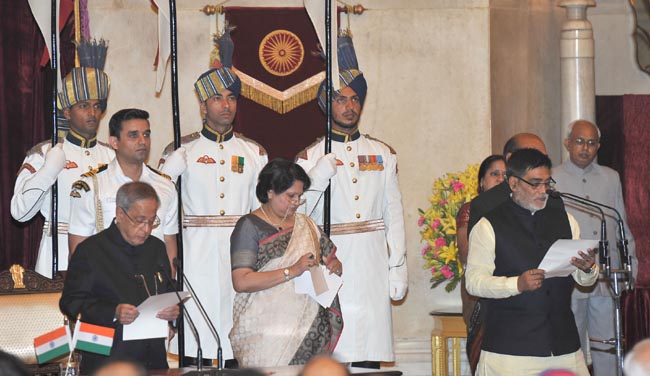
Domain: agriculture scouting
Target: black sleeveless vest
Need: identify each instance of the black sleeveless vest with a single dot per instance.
(533, 323)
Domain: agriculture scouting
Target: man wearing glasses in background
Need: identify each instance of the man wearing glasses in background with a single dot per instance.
(581, 175)
(114, 271)
(93, 197)
(529, 326)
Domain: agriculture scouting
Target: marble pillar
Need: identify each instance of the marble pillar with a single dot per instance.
(577, 65)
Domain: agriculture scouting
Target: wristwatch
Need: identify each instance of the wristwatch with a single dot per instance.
(286, 274)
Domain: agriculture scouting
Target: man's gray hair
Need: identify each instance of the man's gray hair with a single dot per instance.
(637, 361)
(130, 193)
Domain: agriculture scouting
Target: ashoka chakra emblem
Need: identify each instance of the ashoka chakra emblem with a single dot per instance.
(281, 52)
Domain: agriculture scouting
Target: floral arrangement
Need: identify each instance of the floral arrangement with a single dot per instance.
(438, 225)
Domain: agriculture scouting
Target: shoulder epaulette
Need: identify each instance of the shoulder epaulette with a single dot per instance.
(95, 171)
(38, 148)
(184, 140)
(262, 150)
(159, 173)
(303, 153)
(104, 144)
(392, 151)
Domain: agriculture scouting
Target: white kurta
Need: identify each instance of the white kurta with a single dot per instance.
(210, 187)
(26, 203)
(83, 211)
(357, 196)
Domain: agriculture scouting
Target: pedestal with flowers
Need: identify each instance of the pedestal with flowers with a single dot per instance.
(440, 253)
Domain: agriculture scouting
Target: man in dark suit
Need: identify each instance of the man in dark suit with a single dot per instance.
(114, 271)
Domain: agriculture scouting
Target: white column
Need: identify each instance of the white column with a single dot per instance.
(577, 65)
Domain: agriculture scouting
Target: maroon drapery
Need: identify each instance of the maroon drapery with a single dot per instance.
(25, 110)
(283, 135)
(623, 122)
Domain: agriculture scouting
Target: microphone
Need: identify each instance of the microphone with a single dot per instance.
(195, 333)
(603, 252)
(215, 334)
(622, 243)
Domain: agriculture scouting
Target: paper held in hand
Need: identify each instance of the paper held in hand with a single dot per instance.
(557, 262)
(319, 285)
(147, 325)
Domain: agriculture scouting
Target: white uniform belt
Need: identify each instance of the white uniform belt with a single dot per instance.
(210, 220)
(62, 226)
(357, 227)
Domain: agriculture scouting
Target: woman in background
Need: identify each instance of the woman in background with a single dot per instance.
(490, 174)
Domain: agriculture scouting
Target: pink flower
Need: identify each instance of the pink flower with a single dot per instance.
(446, 272)
(440, 242)
(425, 249)
(435, 224)
(442, 202)
(420, 221)
(433, 270)
(435, 254)
(457, 185)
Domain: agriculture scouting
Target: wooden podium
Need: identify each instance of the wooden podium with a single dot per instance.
(451, 327)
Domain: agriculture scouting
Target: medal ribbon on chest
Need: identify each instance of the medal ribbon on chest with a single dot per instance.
(237, 164)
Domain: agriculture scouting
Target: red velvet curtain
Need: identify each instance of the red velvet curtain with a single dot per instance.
(25, 113)
(283, 135)
(623, 121)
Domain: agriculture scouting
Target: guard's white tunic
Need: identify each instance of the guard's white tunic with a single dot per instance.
(83, 211)
(362, 195)
(81, 156)
(219, 181)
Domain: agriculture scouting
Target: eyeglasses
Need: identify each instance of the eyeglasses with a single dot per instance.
(549, 184)
(342, 100)
(295, 199)
(140, 223)
(591, 143)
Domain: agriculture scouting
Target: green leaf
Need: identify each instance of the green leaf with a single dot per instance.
(452, 285)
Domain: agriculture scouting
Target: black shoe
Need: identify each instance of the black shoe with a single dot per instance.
(191, 362)
(231, 364)
(366, 364)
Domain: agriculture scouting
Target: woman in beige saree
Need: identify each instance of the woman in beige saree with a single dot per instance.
(272, 325)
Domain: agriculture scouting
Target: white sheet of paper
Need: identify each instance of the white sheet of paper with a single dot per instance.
(557, 262)
(147, 325)
(304, 285)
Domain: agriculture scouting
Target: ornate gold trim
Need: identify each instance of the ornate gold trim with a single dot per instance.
(276, 100)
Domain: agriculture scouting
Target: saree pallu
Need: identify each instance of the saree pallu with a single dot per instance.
(276, 326)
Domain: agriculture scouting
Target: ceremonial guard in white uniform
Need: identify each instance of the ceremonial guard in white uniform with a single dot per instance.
(219, 170)
(93, 196)
(82, 101)
(367, 222)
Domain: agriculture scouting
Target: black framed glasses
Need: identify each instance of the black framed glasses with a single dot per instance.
(549, 184)
(154, 223)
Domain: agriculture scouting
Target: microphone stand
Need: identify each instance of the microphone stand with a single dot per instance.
(206, 318)
(622, 243)
(615, 276)
(603, 244)
(195, 333)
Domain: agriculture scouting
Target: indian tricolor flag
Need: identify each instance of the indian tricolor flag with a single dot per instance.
(52, 345)
(93, 338)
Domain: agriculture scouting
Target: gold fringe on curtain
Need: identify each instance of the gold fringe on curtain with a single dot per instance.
(280, 101)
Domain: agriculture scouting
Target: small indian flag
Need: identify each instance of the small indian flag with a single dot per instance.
(52, 345)
(93, 338)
